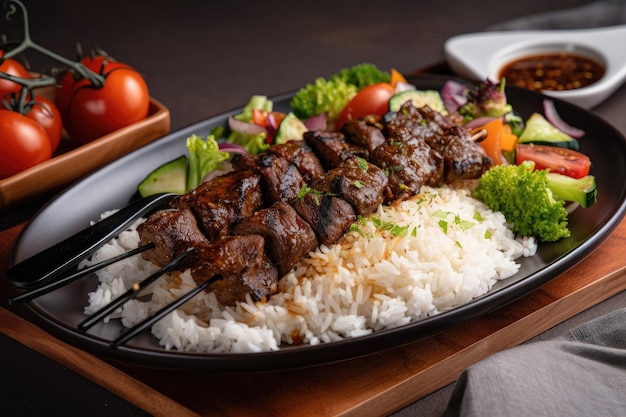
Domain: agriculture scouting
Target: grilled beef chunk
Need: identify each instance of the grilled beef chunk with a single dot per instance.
(173, 232)
(222, 201)
(280, 180)
(438, 122)
(365, 132)
(410, 163)
(288, 236)
(357, 181)
(329, 216)
(243, 265)
(463, 158)
(298, 153)
(407, 117)
(332, 147)
(243, 162)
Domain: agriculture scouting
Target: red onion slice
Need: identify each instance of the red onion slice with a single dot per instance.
(245, 127)
(232, 148)
(553, 117)
(453, 94)
(317, 122)
(272, 125)
(481, 121)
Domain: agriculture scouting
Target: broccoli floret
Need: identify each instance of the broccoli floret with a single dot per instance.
(363, 75)
(323, 96)
(522, 194)
(331, 95)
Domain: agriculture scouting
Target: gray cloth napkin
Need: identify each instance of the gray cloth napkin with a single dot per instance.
(596, 14)
(582, 373)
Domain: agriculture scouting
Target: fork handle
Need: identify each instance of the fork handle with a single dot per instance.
(48, 264)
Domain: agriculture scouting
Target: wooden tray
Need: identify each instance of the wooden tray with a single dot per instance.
(373, 385)
(71, 162)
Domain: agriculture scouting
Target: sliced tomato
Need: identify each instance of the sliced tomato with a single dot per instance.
(259, 117)
(559, 160)
(373, 99)
(266, 118)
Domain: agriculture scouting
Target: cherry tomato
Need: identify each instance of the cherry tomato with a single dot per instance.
(24, 143)
(560, 160)
(373, 99)
(45, 112)
(90, 112)
(12, 67)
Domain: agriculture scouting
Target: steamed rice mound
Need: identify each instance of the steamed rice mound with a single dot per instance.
(406, 262)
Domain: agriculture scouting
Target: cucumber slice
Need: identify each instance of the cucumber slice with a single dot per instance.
(540, 131)
(578, 190)
(290, 128)
(170, 177)
(419, 98)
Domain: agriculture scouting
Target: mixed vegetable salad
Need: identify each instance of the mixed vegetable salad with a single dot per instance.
(538, 167)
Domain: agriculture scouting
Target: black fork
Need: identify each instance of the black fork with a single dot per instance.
(48, 270)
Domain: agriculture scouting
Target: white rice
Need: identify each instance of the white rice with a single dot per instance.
(451, 249)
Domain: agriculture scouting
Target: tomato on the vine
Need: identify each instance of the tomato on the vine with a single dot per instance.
(373, 99)
(11, 67)
(560, 160)
(90, 112)
(24, 143)
(45, 112)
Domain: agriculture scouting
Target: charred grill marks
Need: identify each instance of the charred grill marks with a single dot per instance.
(219, 203)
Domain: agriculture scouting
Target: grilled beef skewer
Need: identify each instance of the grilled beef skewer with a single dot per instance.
(241, 261)
(303, 193)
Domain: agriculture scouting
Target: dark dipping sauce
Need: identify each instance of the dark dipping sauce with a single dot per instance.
(558, 71)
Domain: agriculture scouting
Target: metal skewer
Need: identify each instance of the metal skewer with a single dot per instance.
(44, 289)
(130, 293)
(146, 323)
(479, 135)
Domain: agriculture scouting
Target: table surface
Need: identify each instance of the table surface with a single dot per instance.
(201, 59)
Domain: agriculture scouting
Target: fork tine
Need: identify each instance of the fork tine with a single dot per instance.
(44, 289)
(143, 325)
(130, 293)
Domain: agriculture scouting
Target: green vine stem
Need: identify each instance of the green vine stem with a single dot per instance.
(11, 6)
(24, 102)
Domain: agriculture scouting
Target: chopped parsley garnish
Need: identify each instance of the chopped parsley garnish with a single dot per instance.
(307, 190)
(362, 163)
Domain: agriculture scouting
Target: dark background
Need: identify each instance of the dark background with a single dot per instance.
(204, 57)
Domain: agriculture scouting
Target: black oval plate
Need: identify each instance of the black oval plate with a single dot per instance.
(115, 185)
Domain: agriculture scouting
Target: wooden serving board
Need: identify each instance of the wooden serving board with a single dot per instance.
(373, 385)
